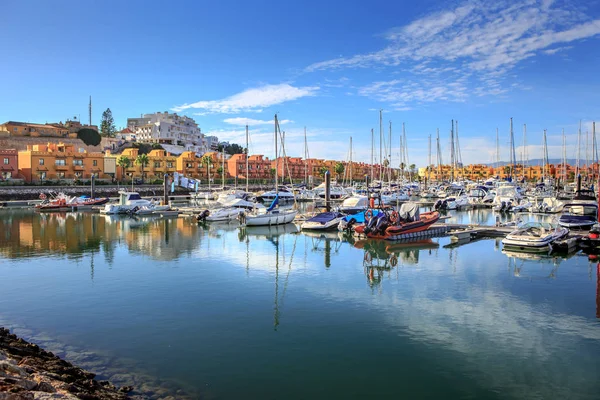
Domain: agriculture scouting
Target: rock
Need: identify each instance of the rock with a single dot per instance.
(27, 384)
(16, 396)
(46, 387)
(126, 389)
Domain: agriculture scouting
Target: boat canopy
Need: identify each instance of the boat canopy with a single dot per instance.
(324, 217)
(409, 211)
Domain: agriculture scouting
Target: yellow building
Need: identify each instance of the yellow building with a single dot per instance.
(160, 162)
(59, 161)
(27, 129)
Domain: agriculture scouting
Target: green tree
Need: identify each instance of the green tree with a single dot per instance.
(402, 166)
(143, 161)
(412, 168)
(123, 162)
(322, 171)
(207, 160)
(107, 125)
(90, 137)
(220, 173)
(339, 169)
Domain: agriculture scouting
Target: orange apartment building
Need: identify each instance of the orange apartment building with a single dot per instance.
(259, 167)
(160, 162)
(9, 164)
(58, 161)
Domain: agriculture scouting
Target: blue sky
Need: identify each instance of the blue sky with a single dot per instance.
(329, 66)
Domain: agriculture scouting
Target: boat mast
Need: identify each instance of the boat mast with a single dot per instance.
(564, 156)
(305, 159)
(578, 150)
(452, 152)
(525, 155)
(545, 156)
(405, 145)
(390, 155)
(372, 153)
(223, 168)
(587, 155)
(439, 155)
(512, 148)
(350, 166)
(458, 155)
(247, 163)
(380, 146)
(276, 159)
(594, 152)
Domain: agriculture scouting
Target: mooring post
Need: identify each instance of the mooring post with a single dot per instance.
(93, 191)
(327, 191)
(166, 190)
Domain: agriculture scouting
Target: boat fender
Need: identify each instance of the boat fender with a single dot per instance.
(368, 215)
(394, 261)
(394, 217)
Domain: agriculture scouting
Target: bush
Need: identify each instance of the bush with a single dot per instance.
(89, 136)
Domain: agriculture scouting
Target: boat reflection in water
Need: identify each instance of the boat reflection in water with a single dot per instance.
(548, 264)
(380, 256)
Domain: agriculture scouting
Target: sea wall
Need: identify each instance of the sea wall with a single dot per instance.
(8, 193)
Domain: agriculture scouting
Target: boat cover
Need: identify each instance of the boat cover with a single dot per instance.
(409, 211)
(324, 217)
(359, 217)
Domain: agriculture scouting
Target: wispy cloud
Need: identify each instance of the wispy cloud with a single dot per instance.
(473, 45)
(241, 121)
(253, 100)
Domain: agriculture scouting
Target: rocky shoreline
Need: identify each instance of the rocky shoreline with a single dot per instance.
(29, 372)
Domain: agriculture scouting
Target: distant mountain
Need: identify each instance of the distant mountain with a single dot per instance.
(540, 162)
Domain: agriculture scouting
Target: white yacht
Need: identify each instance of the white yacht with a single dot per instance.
(283, 193)
(127, 202)
(231, 210)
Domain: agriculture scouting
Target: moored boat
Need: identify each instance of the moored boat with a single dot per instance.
(390, 225)
(323, 221)
(534, 236)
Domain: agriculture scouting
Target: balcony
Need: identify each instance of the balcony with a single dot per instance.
(78, 167)
(61, 167)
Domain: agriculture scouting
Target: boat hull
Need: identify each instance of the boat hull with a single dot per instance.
(267, 219)
(393, 232)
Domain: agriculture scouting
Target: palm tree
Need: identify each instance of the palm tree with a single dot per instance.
(143, 161)
(123, 162)
(402, 166)
(339, 169)
(412, 168)
(207, 160)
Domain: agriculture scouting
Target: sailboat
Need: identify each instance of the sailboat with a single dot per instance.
(272, 215)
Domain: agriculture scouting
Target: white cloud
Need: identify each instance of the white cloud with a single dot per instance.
(473, 45)
(253, 122)
(254, 99)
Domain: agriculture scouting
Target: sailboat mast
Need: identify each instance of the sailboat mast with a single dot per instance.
(439, 155)
(306, 158)
(594, 152)
(247, 162)
(350, 169)
(497, 150)
(372, 152)
(276, 159)
(564, 150)
(405, 144)
(452, 152)
(429, 161)
(512, 148)
(587, 154)
(578, 150)
(525, 155)
(380, 146)
(545, 156)
(457, 150)
(390, 155)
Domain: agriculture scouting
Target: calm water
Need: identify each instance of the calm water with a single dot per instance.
(220, 312)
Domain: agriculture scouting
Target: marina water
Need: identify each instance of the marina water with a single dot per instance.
(221, 312)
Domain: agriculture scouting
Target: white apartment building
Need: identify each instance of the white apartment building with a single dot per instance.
(169, 129)
(213, 142)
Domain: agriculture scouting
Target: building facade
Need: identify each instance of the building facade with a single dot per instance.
(9, 165)
(170, 129)
(57, 161)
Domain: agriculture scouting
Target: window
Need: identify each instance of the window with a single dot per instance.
(78, 163)
(78, 175)
(60, 162)
(41, 161)
(42, 175)
(95, 163)
(169, 164)
(60, 175)
(156, 164)
(6, 175)
(5, 160)
(189, 165)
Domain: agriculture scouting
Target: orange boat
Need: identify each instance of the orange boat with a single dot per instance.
(392, 225)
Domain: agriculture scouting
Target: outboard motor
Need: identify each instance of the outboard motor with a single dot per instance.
(437, 205)
(202, 216)
(382, 224)
(372, 223)
(502, 206)
(508, 206)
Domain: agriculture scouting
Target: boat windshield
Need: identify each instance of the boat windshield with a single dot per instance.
(135, 196)
(505, 191)
(545, 225)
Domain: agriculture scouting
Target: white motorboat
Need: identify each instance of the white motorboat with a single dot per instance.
(232, 210)
(268, 217)
(534, 236)
(226, 196)
(547, 205)
(335, 192)
(507, 196)
(323, 221)
(150, 209)
(127, 202)
(283, 194)
(354, 204)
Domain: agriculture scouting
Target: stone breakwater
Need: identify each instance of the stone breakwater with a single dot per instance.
(33, 192)
(29, 372)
